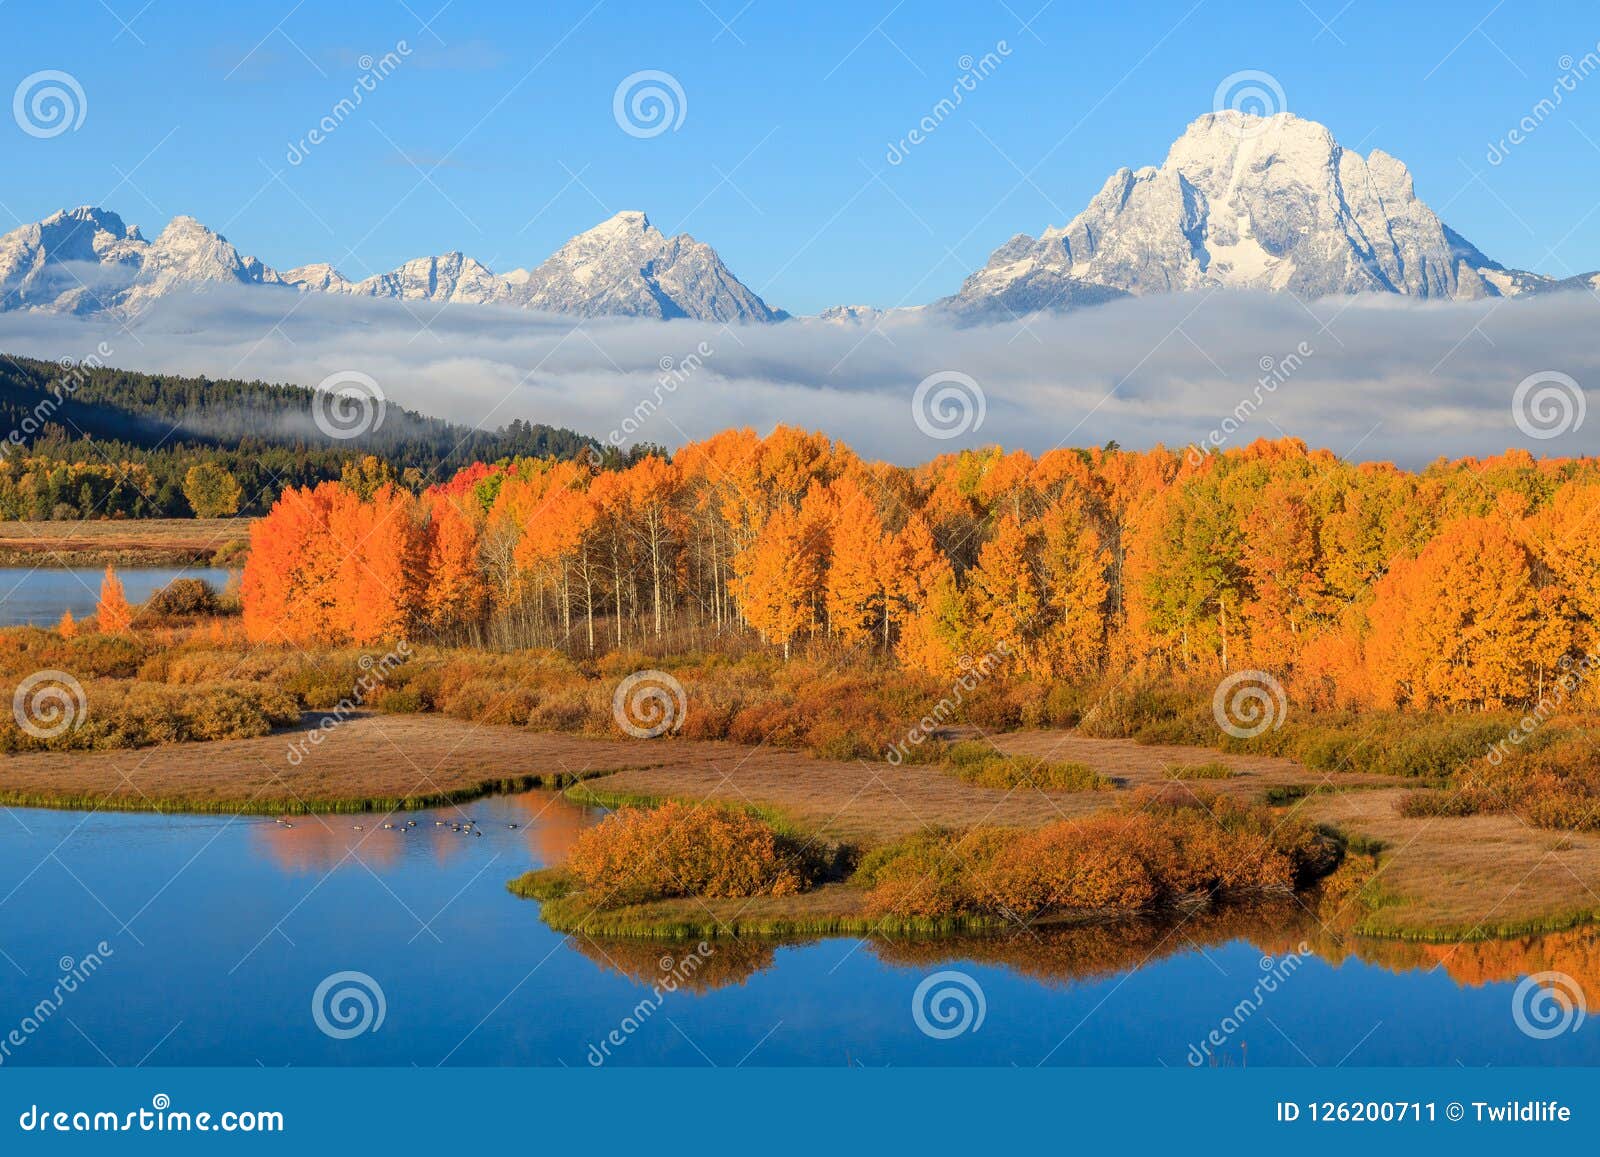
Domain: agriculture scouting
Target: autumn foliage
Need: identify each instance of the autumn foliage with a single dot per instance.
(112, 613)
(639, 854)
(1162, 848)
(327, 566)
(1459, 586)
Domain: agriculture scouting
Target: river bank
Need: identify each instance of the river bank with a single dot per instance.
(1432, 878)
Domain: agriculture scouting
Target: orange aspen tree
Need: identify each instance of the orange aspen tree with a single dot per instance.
(457, 595)
(113, 615)
(1006, 601)
(856, 595)
(776, 579)
(1462, 624)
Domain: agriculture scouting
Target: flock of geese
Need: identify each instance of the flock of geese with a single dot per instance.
(465, 827)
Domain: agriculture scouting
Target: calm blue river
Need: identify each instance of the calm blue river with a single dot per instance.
(219, 931)
(36, 597)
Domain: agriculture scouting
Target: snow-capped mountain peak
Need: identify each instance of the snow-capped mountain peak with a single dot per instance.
(87, 260)
(627, 266)
(1246, 202)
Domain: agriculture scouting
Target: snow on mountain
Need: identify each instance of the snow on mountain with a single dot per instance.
(86, 260)
(318, 277)
(1245, 202)
(1240, 202)
(626, 266)
(448, 277)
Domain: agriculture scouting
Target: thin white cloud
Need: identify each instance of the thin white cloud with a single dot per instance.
(1384, 378)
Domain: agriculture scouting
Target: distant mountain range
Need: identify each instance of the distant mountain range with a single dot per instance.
(1241, 202)
(86, 261)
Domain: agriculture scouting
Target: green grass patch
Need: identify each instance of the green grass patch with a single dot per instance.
(981, 765)
(1212, 770)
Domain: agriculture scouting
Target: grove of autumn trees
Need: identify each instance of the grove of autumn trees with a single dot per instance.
(1469, 584)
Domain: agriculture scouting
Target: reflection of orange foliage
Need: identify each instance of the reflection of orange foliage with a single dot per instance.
(318, 843)
(1575, 952)
(553, 823)
(725, 961)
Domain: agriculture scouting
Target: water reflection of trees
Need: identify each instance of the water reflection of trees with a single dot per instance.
(1066, 955)
(724, 962)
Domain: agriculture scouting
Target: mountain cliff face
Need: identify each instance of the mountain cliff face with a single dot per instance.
(1240, 202)
(626, 266)
(1245, 202)
(86, 261)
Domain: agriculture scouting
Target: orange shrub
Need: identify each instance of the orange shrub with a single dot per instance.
(641, 854)
(1162, 848)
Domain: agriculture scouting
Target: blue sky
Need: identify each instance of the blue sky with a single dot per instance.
(495, 134)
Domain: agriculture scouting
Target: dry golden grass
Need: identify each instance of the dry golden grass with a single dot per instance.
(121, 541)
(1469, 876)
(367, 760)
(385, 758)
